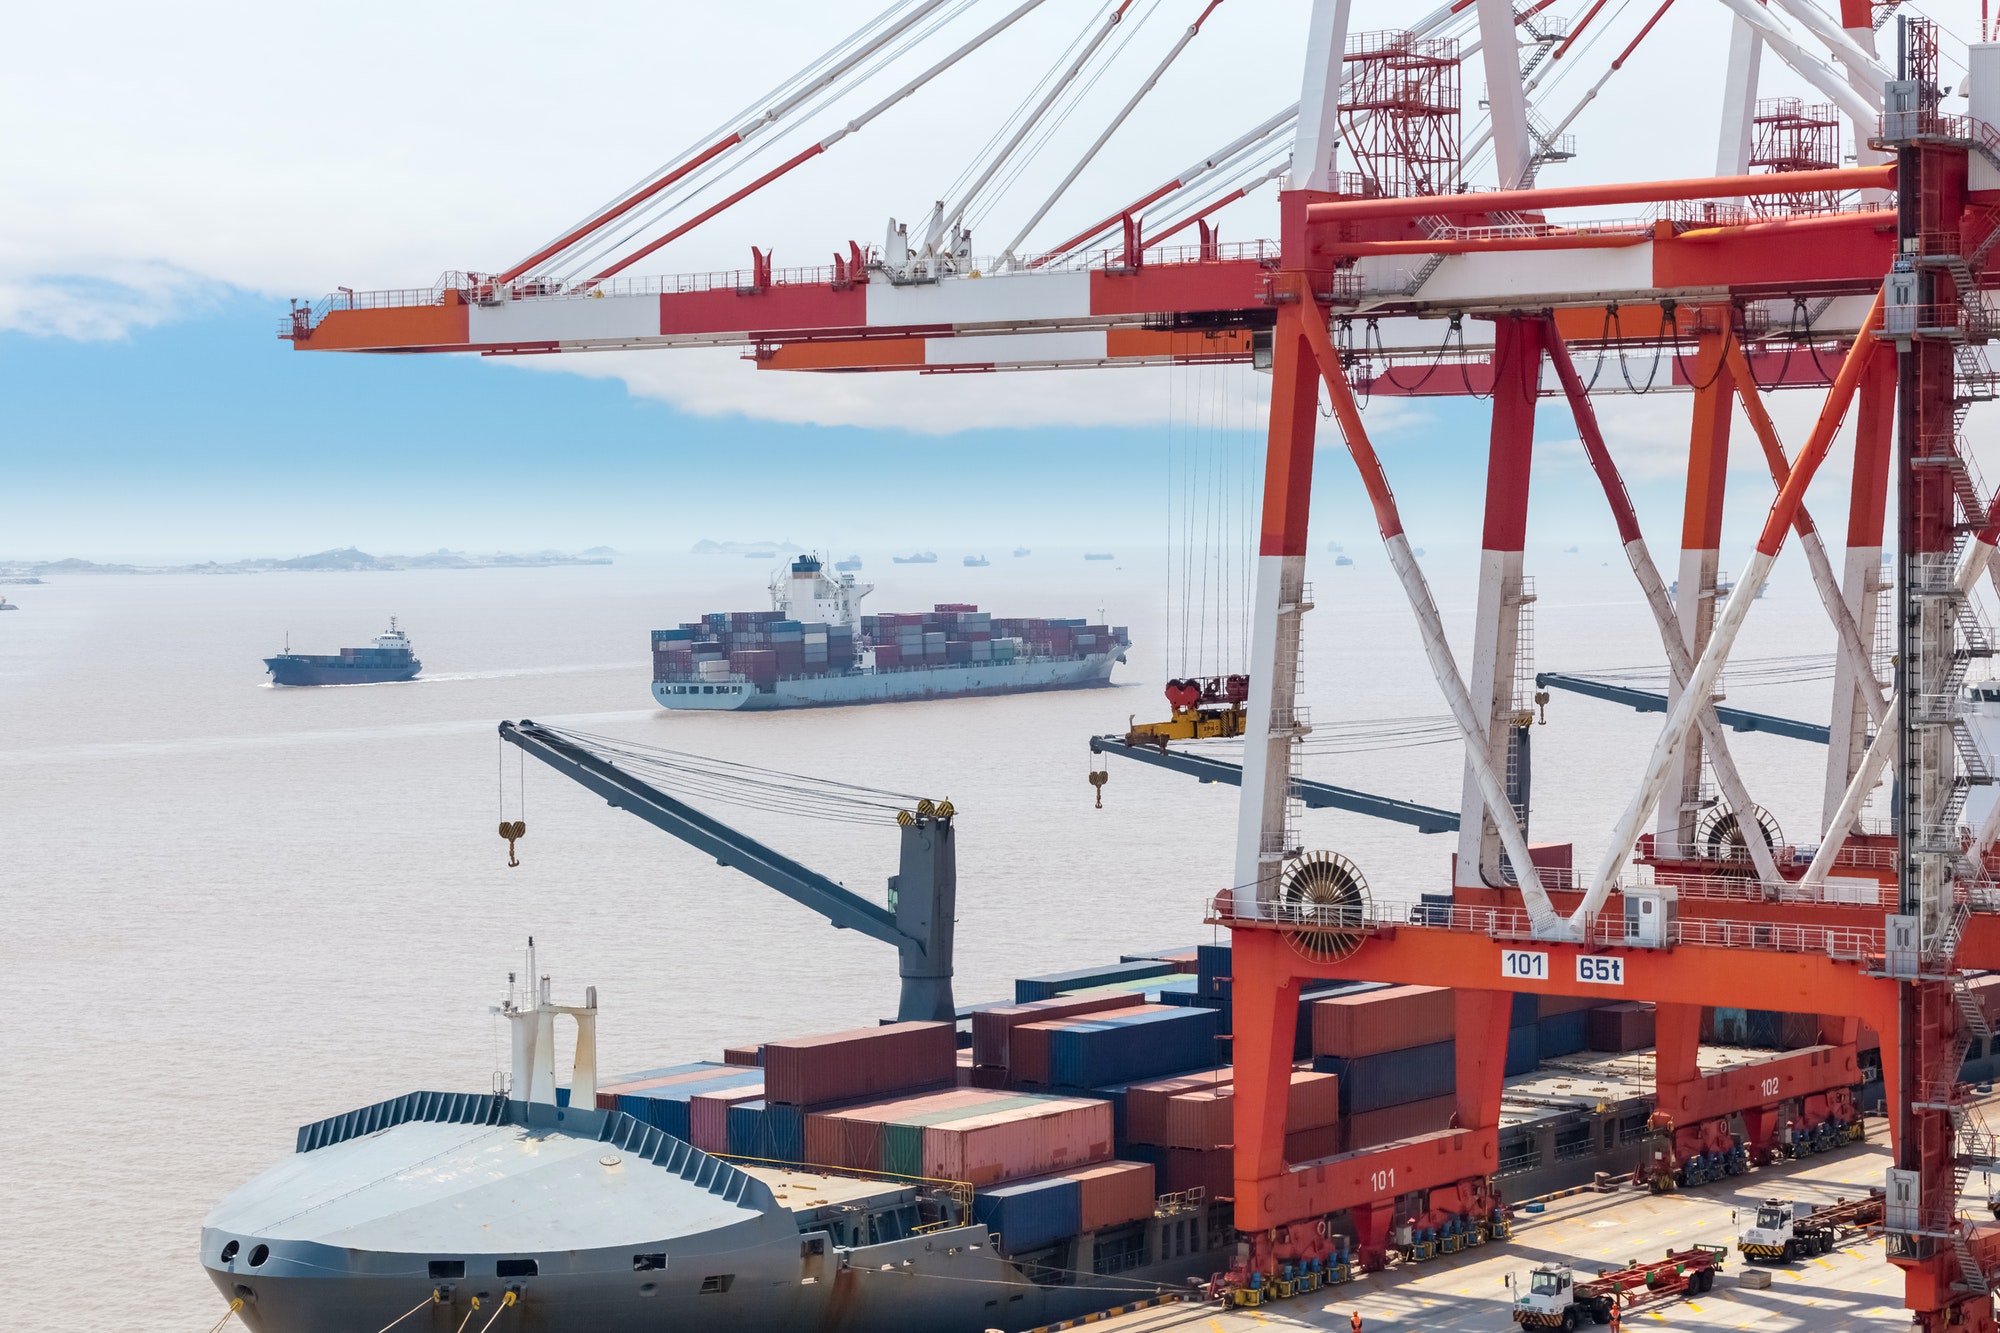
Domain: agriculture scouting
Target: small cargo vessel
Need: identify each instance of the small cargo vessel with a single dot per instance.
(919, 558)
(389, 658)
(814, 648)
(849, 565)
(976, 562)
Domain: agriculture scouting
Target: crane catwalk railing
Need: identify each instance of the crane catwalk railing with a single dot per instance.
(1513, 924)
(478, 289)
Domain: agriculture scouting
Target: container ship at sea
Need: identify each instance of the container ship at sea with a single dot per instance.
(814, 648)
(389, 658)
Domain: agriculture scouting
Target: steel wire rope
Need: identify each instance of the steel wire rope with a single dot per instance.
(1252, 164)
(978, 160)
(745, 784)
(1209, 548)
(776, 94)
(591, 251)
(1001, 187)
(1498, 361)
(1624, 369)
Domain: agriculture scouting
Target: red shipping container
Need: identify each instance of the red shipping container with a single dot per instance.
(1383, 1020)
(708, 1115)
(1203, 1119)
(1023, 1141)
(863, 1062)
(1028, 1051)
(744, 1055)
(888, 655)
(1115, 1193)
(841, 1141)
(1622, 1027)
(1398, 1122)
(1314, 1103)
(991, 1026)
(1310, 1144)
(1146, 1103)
(1183, 1169)
(1548, 1006)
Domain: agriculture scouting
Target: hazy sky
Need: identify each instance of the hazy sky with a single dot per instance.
(206, 161)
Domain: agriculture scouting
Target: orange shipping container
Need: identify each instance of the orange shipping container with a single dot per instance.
(1025, 1141)
(1115, 1193)
(1201, 1115)
(991, 1027)
(1384, 1020)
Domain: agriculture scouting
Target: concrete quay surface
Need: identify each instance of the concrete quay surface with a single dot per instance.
(1851, 1288)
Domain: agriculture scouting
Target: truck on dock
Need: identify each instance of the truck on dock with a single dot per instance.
(1787, 1229)
(1554, 1297)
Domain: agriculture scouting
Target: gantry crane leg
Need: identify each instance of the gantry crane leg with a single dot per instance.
(1863, 575)
(1517, 360)
(1701, 540)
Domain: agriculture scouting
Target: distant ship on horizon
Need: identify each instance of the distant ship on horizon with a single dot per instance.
(1098, 555)
(920, 558)
(976, 562)
(389, 658)
(1020, 551)
(849, 565)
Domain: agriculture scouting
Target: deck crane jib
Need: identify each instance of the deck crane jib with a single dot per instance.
(919, 920)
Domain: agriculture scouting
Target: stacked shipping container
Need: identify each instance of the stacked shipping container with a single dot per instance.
(764, 646)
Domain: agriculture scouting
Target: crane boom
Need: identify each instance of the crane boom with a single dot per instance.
(923, 893)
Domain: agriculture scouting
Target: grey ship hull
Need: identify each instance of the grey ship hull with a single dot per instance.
(328, 669)
(944, 681)
(600, 1224)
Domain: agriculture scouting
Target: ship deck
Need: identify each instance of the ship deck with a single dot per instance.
(1852, 1288)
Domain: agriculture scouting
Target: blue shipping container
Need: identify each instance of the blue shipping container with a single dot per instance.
(1562, 1034)
(1527, 1008)
(1394, 1078)
(666, 1108)
(1113, 1048)
(785, 1132)
(1523, 1053)
(746, 1130)
(1029, 1214)
(1211, 964)
(1029, 989)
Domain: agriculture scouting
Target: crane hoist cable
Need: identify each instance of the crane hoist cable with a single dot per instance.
(746, 785)
(1794, 669)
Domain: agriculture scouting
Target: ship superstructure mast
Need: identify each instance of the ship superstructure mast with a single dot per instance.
(804, 592)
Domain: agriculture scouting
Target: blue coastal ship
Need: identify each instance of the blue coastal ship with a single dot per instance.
(390, 657)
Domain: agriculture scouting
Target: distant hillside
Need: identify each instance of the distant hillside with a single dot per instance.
(346, 559)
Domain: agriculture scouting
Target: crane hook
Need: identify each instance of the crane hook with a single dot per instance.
(1098, 777)
(512, 831)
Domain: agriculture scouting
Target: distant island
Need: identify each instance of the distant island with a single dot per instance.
(706, 547)
(340, 560)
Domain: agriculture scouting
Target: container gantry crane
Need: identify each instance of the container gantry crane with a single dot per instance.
(1862, 283)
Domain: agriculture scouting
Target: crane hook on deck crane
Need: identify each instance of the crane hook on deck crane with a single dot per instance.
(513, 830)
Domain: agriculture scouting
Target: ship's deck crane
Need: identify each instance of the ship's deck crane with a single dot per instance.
(923, 893)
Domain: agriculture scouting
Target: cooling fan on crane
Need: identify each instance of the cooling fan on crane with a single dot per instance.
(1721, 835)
(1325, 905)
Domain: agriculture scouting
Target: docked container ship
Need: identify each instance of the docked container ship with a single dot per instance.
(815, 648)
(1058, 1153)
(390, 657)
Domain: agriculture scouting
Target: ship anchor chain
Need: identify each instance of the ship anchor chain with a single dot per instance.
(513, 830)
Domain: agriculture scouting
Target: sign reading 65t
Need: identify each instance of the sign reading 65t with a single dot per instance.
(1600, 970)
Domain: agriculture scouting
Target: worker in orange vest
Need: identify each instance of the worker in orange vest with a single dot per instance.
(1355, 1319)
(1614, 1314)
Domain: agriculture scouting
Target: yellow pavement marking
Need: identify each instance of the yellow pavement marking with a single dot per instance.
(1874, 1281)
(1790, 1274)
(1692, 1306)
(1216, 1324)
